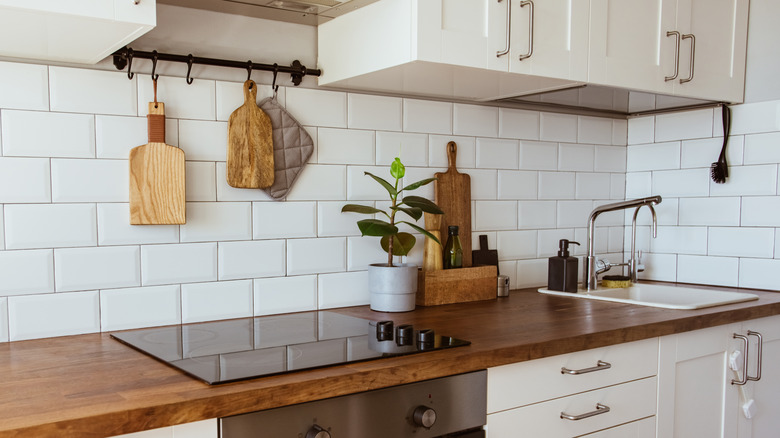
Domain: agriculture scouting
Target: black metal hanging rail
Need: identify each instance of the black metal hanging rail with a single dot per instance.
(124, 58)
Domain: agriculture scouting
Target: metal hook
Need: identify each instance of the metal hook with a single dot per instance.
(154, 65)
(273, 84)
(249, 70)
(130, 63)
(189, 69)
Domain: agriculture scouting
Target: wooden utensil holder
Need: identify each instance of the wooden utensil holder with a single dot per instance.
(456, 285)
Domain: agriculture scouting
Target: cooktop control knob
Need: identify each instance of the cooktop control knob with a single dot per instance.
(425, 336)
(317, 432)
(384, 330)
(404, 334)
(424, 416)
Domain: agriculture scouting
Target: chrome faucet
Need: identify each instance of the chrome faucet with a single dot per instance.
(634, 263)
(590, 262)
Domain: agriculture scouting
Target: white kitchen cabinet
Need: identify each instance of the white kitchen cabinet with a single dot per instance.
(197, 429)
(82, 31)
(765, 392)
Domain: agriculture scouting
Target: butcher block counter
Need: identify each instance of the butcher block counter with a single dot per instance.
(93, 386)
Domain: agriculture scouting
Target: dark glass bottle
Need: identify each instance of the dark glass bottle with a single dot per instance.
(453, 251)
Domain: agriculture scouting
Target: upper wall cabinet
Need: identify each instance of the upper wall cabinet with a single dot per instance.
(82, 31)
(689, 48)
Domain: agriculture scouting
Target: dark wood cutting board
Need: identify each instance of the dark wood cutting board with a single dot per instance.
(484, 256)
(452, 190)
(250, 149)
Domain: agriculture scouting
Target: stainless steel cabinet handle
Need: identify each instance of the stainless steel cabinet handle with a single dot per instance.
(760, 359)
(744, 360)
(600, 365)
(530, 3)
(693, 54)
(676, 55)
(508, 28)
(600, 409)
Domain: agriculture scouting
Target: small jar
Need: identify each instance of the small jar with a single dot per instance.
(453, 250)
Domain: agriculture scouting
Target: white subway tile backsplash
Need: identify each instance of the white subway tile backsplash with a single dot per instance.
(342, 290)
(495, 215)
(610, 159)
(230, 96)
(514, 245)
(200, 181)
(593, 185)
(50, 225)
(40, 134)
(78, 90)
(24, 180)
(721, 271)
(703, 152)
(678, 240)
(657, 156)
(223, 191)
(594, 130)
(659, 267)
(96, 268)
(203, 140)
(759, 274)
(617, 186)
(218, 300)
(182, 100)
(509, 268)
(136, 307)
(535, 155)
(3, 319)
(758, 211)
(548, 241)
(285, 294)
(466, 152)
(89, 180)
(318, 182)
(619, 132)
(374, 112)
(518, 124)
(44, 316)
(759, 180)
(557, 185)
(2, 228)
(483, 183)
(681, 183)
(181, 263)
(24, 86)
(427, 116)
(411, 148)
(576, 157)
(362, 187)
(332, 222)
(117, 135)
(530, 273)
(414, 174)
(342, 146)
(26, 272)
(497, 153)
(558, 127)
(710, 211)
(683, 125)
(741, 242)
(363, 251)
(641, 130)
(273, 220)
(762, 148)
(536, 214)
(753, 118)
(572, 214)
(639, 184)
(254, 259)
(517, 184)
(316, 256)
(113, 225)
(210, 221)
(306, 105)
(476, 120)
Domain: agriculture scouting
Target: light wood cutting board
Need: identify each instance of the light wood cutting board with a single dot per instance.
(250, 151)
(157, 190)
(452, 190)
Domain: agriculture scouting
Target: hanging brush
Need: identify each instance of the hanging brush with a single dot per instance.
(720, 169)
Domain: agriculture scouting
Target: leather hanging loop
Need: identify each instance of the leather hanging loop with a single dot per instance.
(154, 81)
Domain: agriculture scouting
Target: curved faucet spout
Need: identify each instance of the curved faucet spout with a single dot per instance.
(633, 262)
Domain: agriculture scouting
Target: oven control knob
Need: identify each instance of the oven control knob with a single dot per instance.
(317, 432)
(424, 416)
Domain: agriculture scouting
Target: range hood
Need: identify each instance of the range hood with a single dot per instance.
(310, 12)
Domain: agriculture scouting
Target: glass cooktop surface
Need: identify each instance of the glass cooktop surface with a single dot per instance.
(237, 349)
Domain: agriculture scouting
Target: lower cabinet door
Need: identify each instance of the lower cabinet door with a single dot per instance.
(578, 414)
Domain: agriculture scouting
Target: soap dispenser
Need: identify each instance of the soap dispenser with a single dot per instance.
(562, 269)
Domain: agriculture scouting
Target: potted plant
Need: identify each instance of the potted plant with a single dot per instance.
(393, 286)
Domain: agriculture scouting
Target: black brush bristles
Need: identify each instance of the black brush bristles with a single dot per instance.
(719, 171)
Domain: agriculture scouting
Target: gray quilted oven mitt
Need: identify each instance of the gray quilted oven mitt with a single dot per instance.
(292, 148)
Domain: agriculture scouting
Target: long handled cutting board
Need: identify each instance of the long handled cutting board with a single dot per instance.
(452, 190)
(250, 152)
(157, 176)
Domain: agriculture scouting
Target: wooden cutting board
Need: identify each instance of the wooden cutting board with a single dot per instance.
(250, 150)
(157, 176)
(452, 190)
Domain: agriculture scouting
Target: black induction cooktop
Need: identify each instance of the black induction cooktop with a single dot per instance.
(237, 349)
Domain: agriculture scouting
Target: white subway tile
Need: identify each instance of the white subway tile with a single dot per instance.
(762, 148)
(2, 228)
(26, 272)
(752, 118)
(641, 130)
(24, 180)
(667, 213)
(230, 96)
(48, 315)
(710, 211)
(516, 244)
(122, 309)
(320, 183)
(273, 220)
(518, 124)
(557, 185)
(465, 157)
(24, 86)
(427, 116)
(678, 240)
(492, 239)
(210, 221)
(365, 111)
(683, 125)
(307, 105)
(615, 240)
(619, 132)
(50, 225)
(200, 181)
(96, 268)
(224, 192)
(759, 274)
(40, 134)
(741, 242)
(657, 156)
(509, 268)
(497, 153)
(596, 130)
(558, 127)
(617, 187)
(182, 263)
(117, 135)
(517, 184)
(483, 183)
(415, 256)
(530, 273)
(757, 211)
(475, 120)
(703, 152)
(182, 100)
(593, 185)
(747, 180)
(285, 295)
(239, 260)
(219, 300)
(573, 214)
(3, 319)
(536, 214)
(547, 245)
(535, 155)
(495, 215)
(610, 159)
(343, 290)
(203, 140)
(659, 267)
(576, 157)
(639, 184)
(114, 228)
(411, 148)
(316, 256)
(89, 180)
(362, 187)
(332, 222)
(341, 146)
(415, 174)
(719, 271)
(362, 251)
(79, 90)
(681, 183)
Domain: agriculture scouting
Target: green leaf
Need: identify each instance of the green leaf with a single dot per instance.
(362, 209)
(419, 184)
(376, 227)
(423, 204)
(389, 187)
(402, 243)
(397, 169)
(422, 230)
(413, 212)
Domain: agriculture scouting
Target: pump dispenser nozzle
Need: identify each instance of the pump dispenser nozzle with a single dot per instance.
(563, 247)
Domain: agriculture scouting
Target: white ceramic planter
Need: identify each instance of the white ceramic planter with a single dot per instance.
(392, 289)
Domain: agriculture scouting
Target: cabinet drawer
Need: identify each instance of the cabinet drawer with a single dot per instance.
(523, 383)
(644, 428)
(627, 402)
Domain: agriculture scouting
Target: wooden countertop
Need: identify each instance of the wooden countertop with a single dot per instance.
(94, 386)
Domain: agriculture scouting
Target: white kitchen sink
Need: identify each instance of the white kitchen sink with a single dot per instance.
(658, 295)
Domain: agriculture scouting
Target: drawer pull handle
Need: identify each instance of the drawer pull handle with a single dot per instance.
(600, 409)
(600, 365)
